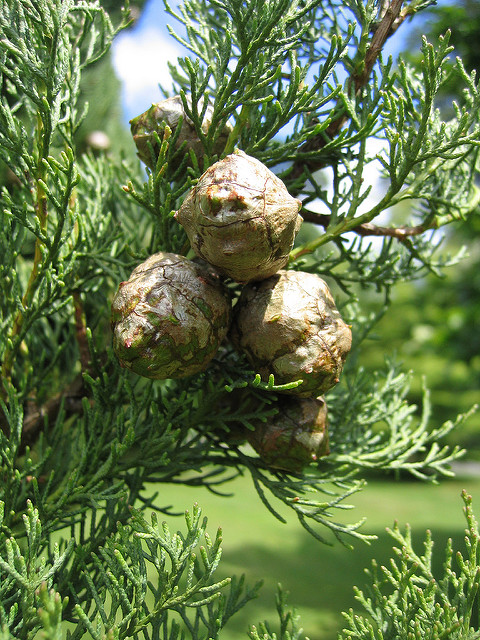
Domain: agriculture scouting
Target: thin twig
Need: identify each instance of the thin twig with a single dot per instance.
(381, 35)
(369, 229)
(391, 20)
(69, 400)
(81, 331)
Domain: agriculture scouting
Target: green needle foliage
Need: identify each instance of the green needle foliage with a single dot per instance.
(82, 441)
(407, 601)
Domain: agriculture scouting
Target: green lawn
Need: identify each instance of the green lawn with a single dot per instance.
(320, 578)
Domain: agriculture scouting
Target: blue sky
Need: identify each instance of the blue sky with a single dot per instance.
(141, 55)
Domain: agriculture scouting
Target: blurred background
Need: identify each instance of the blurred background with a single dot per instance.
(432, 327)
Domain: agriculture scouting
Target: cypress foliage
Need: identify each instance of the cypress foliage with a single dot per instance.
(306, 91)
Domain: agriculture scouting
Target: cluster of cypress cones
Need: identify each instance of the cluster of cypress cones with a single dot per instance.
(171, 316)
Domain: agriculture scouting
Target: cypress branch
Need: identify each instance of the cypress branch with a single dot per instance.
(81, 439)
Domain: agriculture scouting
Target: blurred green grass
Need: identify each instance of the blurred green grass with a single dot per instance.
(320, 578)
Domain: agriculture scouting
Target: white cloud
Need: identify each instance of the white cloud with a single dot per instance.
(140, 59)
(372, 178)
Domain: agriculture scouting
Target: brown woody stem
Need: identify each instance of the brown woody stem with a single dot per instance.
(392, 17)
(69, 400)
(81, 331)
(369, 229)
